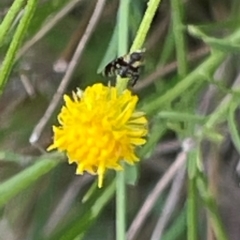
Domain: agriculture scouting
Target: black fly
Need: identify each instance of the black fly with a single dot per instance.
(127, 66)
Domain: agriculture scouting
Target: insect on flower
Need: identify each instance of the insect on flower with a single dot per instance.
(127, 66)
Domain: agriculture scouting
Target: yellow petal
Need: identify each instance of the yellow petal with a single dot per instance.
(98, 128)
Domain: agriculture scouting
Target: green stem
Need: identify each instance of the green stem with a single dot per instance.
(192, 223)
(192, 210)
(218, 114)
(212, 208)
(121, 206)
(17, 39)
(121, 85)
(233, 126)
(177, 10)
(123, 27)
(180, 116)
(123, 38)
(9, 18)
(145, 25)
(215, 219)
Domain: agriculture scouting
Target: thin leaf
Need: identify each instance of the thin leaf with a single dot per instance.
(24, 179)
(10, 18)
(233, 126)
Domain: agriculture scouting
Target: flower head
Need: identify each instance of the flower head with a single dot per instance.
(98, 128)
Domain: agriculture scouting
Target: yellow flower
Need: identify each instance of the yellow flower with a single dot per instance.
(99, 128)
